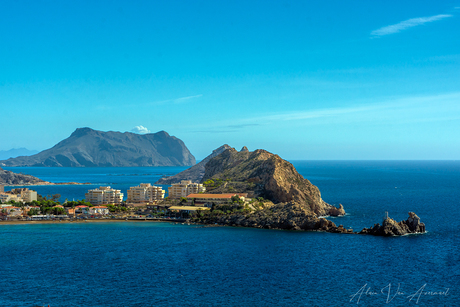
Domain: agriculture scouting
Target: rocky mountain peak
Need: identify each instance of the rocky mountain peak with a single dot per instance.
(261, 173)
(87, 147)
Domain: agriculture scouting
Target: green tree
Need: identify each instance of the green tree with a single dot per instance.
(209, 183)
(33, 211)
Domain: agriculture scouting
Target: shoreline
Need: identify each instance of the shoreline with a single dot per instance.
(87, 221)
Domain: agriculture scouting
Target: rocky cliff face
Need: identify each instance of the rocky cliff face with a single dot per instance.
(196, 172)
(87, 147)
(10, 178)
(261, 173)
(390, 227)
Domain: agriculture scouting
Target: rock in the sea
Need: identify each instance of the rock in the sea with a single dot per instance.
(390, 227)
(337, 211)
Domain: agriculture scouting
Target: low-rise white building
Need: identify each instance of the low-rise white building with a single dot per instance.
(99, 210)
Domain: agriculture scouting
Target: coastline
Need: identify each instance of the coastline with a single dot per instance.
(86, 221)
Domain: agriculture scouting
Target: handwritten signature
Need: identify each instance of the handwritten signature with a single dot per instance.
(390, 293)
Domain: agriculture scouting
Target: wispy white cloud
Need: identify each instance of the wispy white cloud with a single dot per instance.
(369, 112)
(140, 130)
(395, 111)
(179, 100)
(185, 99)
(406, 24)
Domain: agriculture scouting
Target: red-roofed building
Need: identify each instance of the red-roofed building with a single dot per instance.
(208, 199)
(81, 209)
(11, 211)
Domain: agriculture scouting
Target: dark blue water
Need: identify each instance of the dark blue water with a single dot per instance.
(160, 264)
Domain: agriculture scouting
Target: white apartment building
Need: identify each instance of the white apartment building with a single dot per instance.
(28, 195)
(145, 192)
(184, 188)
(23, 195)
(104, 195)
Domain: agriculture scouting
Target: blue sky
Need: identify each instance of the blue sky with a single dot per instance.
(303, 79)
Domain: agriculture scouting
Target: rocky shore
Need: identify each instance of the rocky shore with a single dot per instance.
(291, 216)
(285, 216)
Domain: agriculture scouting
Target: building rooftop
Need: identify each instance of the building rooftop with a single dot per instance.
(189, 208)
(226, 195)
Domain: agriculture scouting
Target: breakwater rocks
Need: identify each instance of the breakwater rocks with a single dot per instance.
(390, 227)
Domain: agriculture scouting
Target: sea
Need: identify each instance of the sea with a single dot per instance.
(167, 264)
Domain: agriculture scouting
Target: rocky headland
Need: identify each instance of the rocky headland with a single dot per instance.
(14, 179)
(90, 148)
(263, 174)
(281, 197)
(11, 178)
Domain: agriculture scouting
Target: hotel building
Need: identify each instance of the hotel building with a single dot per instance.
(184, 188)
(145, 193)
(104, 195)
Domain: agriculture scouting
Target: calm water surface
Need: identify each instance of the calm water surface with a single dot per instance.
(161, 264)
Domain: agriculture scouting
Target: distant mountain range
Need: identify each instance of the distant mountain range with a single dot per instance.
(92, 148)
(16, 152)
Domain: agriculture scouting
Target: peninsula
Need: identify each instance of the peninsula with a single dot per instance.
(14, 179)
(280, 197)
